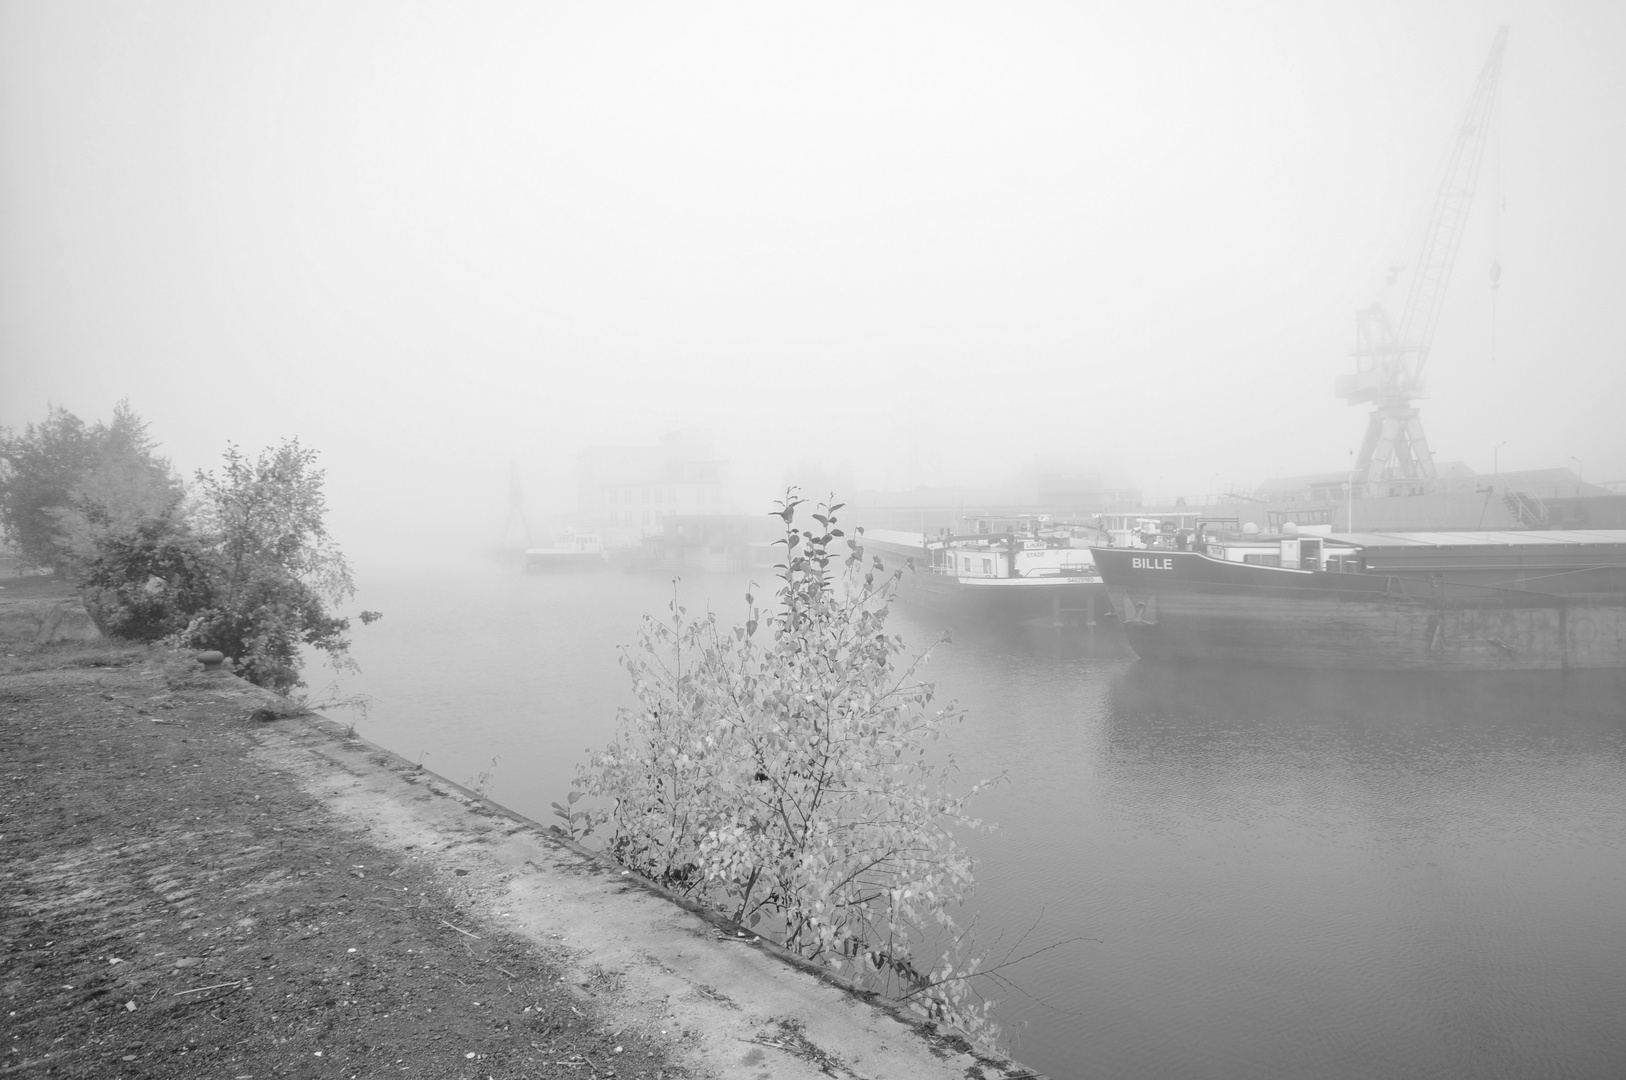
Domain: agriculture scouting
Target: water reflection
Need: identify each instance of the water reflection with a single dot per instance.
(1038, 641)
(1292, 873)
(1227, 695)
(1500, 761)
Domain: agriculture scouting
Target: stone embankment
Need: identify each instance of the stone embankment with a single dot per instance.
(186, 890)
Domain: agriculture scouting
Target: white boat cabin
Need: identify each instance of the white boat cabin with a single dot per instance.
(1145, 531)
(988, 556)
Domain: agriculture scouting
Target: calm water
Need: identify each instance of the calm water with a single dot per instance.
(1280, 875)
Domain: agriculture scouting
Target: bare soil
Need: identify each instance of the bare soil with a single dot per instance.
(171, 908)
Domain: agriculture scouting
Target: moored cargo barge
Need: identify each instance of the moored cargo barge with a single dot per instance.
(988, 579)
(1441, 601)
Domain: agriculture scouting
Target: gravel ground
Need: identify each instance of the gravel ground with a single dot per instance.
(170, 908)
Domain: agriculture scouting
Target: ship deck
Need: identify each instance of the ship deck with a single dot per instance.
(1484, 538)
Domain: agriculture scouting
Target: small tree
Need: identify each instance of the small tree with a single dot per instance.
(783, 779)
(274, 569)
(149, 580)
(64, 485)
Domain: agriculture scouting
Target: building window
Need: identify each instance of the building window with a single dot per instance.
(988, 567)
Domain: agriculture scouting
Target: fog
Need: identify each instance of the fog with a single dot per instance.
(902, 244)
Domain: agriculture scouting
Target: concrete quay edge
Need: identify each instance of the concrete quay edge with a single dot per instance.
(761, 1011)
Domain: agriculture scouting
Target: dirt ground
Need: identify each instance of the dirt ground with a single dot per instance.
(171, 908)
(195, 884)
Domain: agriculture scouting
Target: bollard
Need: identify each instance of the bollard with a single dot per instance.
(212, 660)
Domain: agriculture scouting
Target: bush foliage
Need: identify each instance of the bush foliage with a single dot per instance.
(273, 567)
(66, 485)
(245, 565)
(778, 772)
(146, 582)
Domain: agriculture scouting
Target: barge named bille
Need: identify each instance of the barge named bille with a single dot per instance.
(1414, 600)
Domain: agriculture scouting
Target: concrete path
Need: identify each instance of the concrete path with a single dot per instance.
(748, 1012)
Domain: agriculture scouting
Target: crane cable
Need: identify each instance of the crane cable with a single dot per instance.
(1498, 203)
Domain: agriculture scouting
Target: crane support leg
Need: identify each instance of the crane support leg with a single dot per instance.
(1395, 447)
(1417, 442)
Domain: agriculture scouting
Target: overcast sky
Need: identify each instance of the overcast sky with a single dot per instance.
(932, 241)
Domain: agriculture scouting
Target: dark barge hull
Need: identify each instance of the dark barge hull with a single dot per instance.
(1187, 606)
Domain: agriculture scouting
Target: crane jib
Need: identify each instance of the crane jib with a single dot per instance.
(1390, 356)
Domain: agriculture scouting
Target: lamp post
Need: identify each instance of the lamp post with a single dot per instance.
(1496, 458)
(1580, 469)
(1349, 496)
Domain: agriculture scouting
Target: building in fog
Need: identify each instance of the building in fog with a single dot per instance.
(1457, 498)
(624, 492)
(713, 543)
(1061, 493)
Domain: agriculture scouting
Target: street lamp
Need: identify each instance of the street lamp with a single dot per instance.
(1580, 470)
(1349, 496)
(1496, 458)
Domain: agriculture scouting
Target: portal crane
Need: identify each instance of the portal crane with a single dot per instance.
(1389, 359)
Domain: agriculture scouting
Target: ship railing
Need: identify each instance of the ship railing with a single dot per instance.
(1530, 510)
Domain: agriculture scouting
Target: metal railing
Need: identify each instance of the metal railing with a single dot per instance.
(1530, 510)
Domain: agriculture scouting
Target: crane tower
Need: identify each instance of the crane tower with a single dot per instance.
(1389, 357)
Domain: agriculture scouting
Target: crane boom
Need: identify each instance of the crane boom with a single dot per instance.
(1449, 216)
(1390, 359)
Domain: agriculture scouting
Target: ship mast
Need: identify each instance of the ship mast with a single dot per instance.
(1389, 358)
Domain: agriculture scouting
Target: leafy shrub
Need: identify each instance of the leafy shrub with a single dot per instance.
(782, 778)
(273, 567)
(147, 582)
(247, 567)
